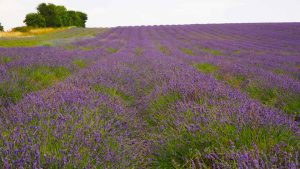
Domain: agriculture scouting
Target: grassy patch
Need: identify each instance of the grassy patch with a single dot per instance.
(265, 96)
(187, 51)
(212, 51)
(111, 50)
(29, 31)
(112, 92)
(206, 68)
(278, 71)
(5, 59)
(86, 48)
(79, 63)
(155, 108)
(51, 36)
(165, 50)
(138, 51)
(182, 146)
(292, 105)
(234, 81)
(237, 52)
(32, 79)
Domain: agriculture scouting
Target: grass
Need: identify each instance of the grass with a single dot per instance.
(234, 81)
(138, 51)
(45, 37)
(32, 79)
(182, 145)
(114, 93)
(187, 51)
(160, 104)
(111, 50)
(79, 63)
(272, 97)
(265, 96)
(206, 68)
(85, 48)
(32, 32)
(212, 51)
(5, 59)
(164, 50)
(292, 105)
(237, 52)
(278, 71)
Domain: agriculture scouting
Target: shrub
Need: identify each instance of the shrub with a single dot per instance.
(22, 29)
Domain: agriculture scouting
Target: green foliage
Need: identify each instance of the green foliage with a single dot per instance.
(182, 145)
(35, 20)
(50, 15)
(79, 63)
(160, 104)
(1, 28)
(111, 50)
(164, 50)
(113, 92)
(5, 59)
(162, 101)
(235, 81)
(212, 51)
(206, 68)
(237, 52)
(138, 51)
(74, 19)
(187, 51)
(266, 96)
(278, 71)
(32, 79)
(292, 105)
(83, 18)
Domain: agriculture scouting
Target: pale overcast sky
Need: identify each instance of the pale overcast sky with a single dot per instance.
(109, 13)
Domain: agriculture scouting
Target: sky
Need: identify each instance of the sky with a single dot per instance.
(111, 13)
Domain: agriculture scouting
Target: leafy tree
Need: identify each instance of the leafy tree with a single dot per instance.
(83, 18)
(62, 13)
(50, 14)
(1, 27)
(74, 19)
(35, 20)
(55, 16)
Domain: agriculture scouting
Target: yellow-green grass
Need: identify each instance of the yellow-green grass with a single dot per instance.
(47, 36)
(32, 32)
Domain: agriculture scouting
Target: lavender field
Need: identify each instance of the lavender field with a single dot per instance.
(186, 96)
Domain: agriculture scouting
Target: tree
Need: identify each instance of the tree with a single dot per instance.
(1, 28)
(55, 16)
(35, 20)
(83, 18)
(50, 14)
(74, 19)
(61, 11)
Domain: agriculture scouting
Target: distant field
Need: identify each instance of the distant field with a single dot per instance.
(46, 37)
(189, 96)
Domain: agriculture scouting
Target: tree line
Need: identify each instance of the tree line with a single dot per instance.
(50, 15)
